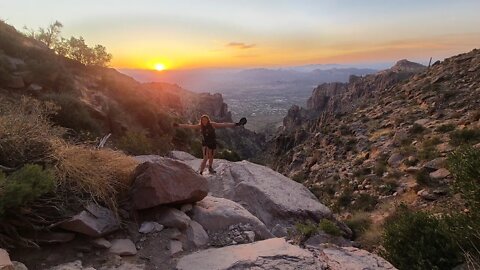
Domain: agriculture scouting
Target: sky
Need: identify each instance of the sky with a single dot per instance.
(183, 34)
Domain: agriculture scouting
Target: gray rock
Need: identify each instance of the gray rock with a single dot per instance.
(102, 243)
(268, 195)
(279, 231)
(273, 253)
(5, 262)
(94, 221)
(19, 266)
(34, 87)
(440, 174)
(435, 164)
(149, 227)
(123, 247)
(215, 214)
(322, 238)
(76, 265)
(395, 159)
(173, 218)
(196, 235)
(175, 247)
(350, 258)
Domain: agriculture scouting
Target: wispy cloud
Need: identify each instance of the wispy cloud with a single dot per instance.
(240, 45)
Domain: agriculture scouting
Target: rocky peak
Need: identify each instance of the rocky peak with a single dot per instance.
(407, 66)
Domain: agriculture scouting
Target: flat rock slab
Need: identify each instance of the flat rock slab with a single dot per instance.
(273, 253)
(268, 195)
(166, 181)
(216, 214)
(95, 221)
(350, 258)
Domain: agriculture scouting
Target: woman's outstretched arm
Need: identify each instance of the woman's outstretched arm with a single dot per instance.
(223, 125)
(186, 126)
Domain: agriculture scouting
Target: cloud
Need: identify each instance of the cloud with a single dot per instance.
(240, 45)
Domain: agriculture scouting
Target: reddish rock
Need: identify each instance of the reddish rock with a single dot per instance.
(95, 221)
(5, 262)
(167, 181)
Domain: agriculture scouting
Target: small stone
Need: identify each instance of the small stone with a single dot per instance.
(102, 243)
(440, 174)
(175, 247)
(149, 227)
(19, 266)
(250, 236)
(123, 247)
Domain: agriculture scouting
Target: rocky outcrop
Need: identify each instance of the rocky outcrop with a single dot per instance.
(350, 258)
(218, 214)
(268, 195)
(274, 253)
(166, 181)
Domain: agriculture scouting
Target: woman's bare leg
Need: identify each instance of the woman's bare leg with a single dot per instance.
(204, 161)
(210, 160)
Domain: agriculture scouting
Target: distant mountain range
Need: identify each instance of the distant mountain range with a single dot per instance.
(228, 80)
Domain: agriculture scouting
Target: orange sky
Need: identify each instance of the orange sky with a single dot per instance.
(184, 34)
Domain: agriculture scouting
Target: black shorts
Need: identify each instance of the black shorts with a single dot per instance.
(210, 145)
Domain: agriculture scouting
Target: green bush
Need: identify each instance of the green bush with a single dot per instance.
(299, 177)
(465, 136)
(428, 152)
(423, 178)
(464, 164)
(329, 227)
(73, 114)
(306, 229)
(24, 186)
(135, 143)
(417, 129)
(359, 223)
(445, 128)
(416, 240)
(365, 202)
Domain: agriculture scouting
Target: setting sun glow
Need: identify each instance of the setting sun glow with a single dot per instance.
(160, 67)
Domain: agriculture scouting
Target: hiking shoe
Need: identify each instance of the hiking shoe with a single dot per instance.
(200, 172)
(211, 170)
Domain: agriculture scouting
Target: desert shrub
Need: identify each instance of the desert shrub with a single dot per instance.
(423, 178)
(445, 128)
(306, 229)
(24, 186)
(345, 199)
(359, 223)
(73, 114)
(135, 143)
(416, 240)
(417, 129)
(465, 136)
(162, 144)
(427, 152)
(100, 174)
(389, 187)
(365, 202)
(26, 134)
(464, 164)
(299, 177)
(329, 227)
(228, 154)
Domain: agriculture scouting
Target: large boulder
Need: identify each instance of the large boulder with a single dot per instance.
(94, 221)
(268, 195)
(350, 258)
(273, 253)
(173, 218)
(5, 262)
(196, 235)
(166, 181)
(217, 214)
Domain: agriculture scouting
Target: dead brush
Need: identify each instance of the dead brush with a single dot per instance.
(102, 174)
(26, 133)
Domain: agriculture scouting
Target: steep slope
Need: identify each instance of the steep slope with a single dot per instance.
(382, 135)
(94, 101)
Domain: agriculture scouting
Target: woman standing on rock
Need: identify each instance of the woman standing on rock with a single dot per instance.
(209, 143)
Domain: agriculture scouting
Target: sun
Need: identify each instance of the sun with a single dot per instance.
(160, 67)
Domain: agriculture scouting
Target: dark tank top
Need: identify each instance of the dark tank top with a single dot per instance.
(208, 133)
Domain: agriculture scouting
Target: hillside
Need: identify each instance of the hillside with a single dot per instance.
(94, 101)
(386, 138)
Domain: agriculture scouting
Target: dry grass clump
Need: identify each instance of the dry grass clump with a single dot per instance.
(26, 133)
(101, 173)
